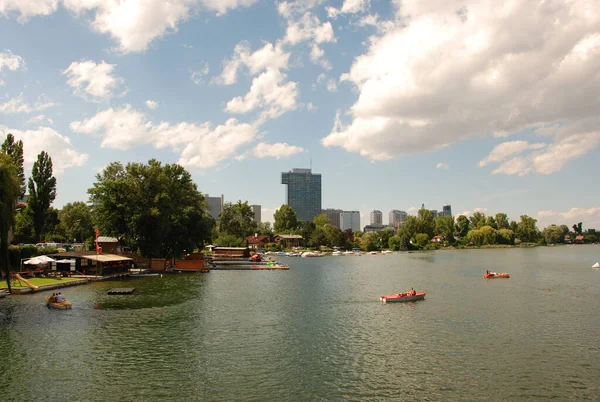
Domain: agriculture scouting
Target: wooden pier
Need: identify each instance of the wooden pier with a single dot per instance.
(121, 291)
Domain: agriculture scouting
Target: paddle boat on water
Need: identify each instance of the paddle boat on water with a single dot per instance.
(63, 305)
(494, 275)
(402, 297)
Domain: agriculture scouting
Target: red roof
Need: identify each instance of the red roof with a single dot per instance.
(258, 239)
(579, 237)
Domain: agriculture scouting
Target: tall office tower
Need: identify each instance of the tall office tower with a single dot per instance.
(434, 213)
(446, 211)
(215, 205)
(350, 220)
(333, 215)
(303, 193)
(396, 217)
(257, 215)
(376, 218)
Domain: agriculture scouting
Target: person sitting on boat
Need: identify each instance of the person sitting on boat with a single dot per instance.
(412, 292)
(52, 299)
(487, 271)
(60, 298)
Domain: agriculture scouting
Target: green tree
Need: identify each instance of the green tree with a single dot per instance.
(411, 226)
(578, 228)
(552, 234)
(286, 220)
(527, 230)
(334, 235)
(564, 231)
(513, 226)
(76, 221)
(382, 237)
(42, 192)
(9, 191)
(489, 234)
(444, 226)
(461, 229)
(318, 238)
(265, 229)
(15, 151)
(404, 242)
(52, 226)
(24, 231)
(368, 242)
(426, 223)
(502, 221)
(506, 236)
(237, 219)
(394, 243)
(491, 222)
(321, 221)
(422, 239)
(228, 240)
(477, 220)
(476, 237)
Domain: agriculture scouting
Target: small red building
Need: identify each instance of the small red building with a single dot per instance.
(257, 242)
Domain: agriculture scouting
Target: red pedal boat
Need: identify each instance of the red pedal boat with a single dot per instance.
(494, 275)
(401, 297)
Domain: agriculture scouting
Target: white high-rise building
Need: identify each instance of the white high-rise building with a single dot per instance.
(350, 220)
(215, 205)
(396, 217)
(376, 218)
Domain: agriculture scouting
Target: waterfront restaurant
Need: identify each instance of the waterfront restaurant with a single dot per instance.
(91, 263)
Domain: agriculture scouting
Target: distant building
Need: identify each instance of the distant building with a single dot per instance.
(303, 193)
(376, 218)
(373, 228)
(215, 205)
(396, 217)
(333, 215)
(257, 213)
(350, 220)
(434, 213)
(446, 211)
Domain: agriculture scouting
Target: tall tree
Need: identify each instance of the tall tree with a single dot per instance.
(461, 228)
(42, 191)
(527, 230)
(491, 222)
(444, 226)
(237, 219)
(552, 234)
(9, 190)
(426, 222)
(15, 151)
(76, 221)
(477, 220)
(502, 221)
(285, 220)
(578, 228)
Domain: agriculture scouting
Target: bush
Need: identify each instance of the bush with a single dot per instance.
(28, 251)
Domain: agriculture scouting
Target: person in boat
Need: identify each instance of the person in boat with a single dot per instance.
(52, 299)
(487, 271)
(412, 292)
(59, 298)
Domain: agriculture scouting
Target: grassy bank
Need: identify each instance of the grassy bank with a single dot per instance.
(37, 282)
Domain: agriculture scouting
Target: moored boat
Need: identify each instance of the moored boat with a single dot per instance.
(494, 275)
(64, 305)
(401, 297)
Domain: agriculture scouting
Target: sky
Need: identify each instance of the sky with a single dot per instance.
(485, 105)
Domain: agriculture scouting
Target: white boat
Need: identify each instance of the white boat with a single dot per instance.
(386, 252)
(372, 252)
(311, 254)
(596, 265)
(337, 252)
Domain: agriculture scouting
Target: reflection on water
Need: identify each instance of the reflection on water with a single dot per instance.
(319, 332)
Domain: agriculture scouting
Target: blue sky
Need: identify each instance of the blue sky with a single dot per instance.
(484, 105)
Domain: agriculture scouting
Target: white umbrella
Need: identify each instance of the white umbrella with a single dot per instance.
(45, 258)
(34, 261)
(65, 260)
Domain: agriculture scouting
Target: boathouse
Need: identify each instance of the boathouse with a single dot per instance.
(231, 252)
(289, 241)
(91, 263)
(257, 242)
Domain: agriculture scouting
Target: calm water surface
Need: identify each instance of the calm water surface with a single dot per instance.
(319, 332)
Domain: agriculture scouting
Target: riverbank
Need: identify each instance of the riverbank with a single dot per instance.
(45, 284)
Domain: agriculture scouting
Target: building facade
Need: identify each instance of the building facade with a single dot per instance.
(446, 211)
(396, 217)
(350, 220)
(333, 215)
(376, 218)
(303, 193)
(257, 213)
(373, 228)
(215, 205)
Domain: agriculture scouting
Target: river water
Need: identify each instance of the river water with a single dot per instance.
(319, 332)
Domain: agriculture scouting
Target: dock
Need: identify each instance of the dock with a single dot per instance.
(121, 291)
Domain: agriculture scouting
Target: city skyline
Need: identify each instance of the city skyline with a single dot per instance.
(239, 91)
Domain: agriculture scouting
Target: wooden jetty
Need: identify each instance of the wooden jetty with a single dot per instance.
(121, 291)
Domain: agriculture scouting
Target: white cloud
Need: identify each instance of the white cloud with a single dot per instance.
(546, 214)
(268, 92)
(502, 151)
(442, 165)
(571, 216)
(200, 145)
(58, 146)
(11, 61)
(91, 81)
(439, 76)
(28, 8)
(37, 119)
(197, 75)
(310, 107)
(19, 105)
(135, 24)
(575, 213)
(309, 28)
(151, 104)
(277, 151)
(331, 85)
(348, 7)
(267, 214)
(2, 83)
(269, 56)
(369, 20)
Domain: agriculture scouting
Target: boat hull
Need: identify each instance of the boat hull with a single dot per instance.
(504, 275)
(65, 305)
(396, 298)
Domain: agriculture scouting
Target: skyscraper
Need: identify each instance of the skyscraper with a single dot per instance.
(376, 218)
(396, 216)
(350, 220)
(446, 211)
(257, 213)
(333, 215)
(215, 205)
(303, 193)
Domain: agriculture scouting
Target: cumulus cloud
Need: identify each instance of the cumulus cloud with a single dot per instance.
(269, 56)
(58, 146)
(11, 61)
(19, 105)
(349, 7)
(197, 75)
(200, 145)
(151, 104)
(25, 9)
(448, 71)
(269, 92)
(442, 165)
(93, 81)
(571, 216)
(331, 85)
(277, 151)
